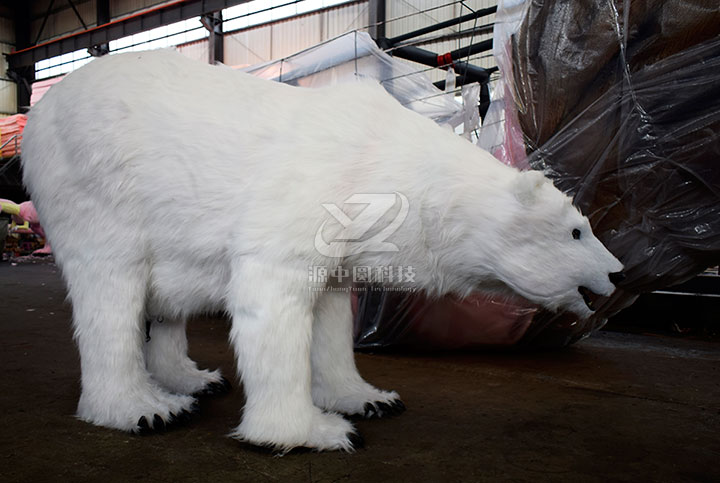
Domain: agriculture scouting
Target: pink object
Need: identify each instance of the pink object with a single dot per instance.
(29, 213)
(477, 320)
(512, 151)
(39, 88)
(9, 127)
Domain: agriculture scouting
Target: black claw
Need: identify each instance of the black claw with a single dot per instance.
(384, 408)
(356, 440)
(370, 410)
(216, 388)
(158, 423)
(226, 384)
(194, 408)
(182, 417)
(143, 425)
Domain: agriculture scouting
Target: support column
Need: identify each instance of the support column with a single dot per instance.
(103, 17)
(214, 24)
(25, 75)
(376, 20)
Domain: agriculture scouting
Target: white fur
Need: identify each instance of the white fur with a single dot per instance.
(172, 187)
(167, 360)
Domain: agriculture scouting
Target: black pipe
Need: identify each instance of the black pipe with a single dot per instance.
(439, 26)
(484, 100)
(484, 103)
(461, 80)
(425, 57)
(473, 49)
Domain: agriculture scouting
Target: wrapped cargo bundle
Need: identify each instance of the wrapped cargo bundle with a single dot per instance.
(619, 103)
(621, 108)
(9, 127)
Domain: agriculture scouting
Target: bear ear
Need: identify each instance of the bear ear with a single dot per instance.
(527, 185)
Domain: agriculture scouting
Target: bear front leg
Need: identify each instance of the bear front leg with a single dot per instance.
(108, 298)
(336, 383)
(166, 355)
(271, 334)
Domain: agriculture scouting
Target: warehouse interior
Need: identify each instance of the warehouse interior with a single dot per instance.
(616, 101)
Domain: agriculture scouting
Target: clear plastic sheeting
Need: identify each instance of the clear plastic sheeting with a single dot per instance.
(619, 103)
(631, 129)
(355, 55)
(411, 320)
(501, 134)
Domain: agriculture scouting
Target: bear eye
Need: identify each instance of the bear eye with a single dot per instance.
(576, 234)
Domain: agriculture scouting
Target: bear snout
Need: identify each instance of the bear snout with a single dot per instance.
(616, 277)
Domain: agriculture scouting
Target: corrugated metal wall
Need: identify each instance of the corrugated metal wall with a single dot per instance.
(197, 50)
(7, 31)
(280, 39)
(344, 19)
(62, 21)
(8, 89)
(123, 7)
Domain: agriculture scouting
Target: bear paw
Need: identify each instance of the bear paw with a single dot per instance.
(361, 399)
(140, 409)
(326, 432)
(215, 388)
(331, 432)
(159, 425)
(383, 409)
(191, 381)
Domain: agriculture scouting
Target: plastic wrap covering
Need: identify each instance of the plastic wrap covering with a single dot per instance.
(355, 55)
(411, 320)
(619, 103)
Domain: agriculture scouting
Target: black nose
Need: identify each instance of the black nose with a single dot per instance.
(617, 277)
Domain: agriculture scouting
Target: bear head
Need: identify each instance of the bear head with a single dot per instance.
(546, 250)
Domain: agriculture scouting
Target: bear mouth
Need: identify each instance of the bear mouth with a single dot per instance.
(589, 297)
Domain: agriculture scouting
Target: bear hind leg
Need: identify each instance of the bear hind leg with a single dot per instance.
(166, 355)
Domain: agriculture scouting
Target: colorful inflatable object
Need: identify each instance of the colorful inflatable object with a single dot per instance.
(25, 219)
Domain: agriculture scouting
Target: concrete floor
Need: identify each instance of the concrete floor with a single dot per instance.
(615, 407)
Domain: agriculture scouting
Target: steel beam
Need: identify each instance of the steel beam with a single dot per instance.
(462, 34)
(77, 14)
(122, 27)
(439, 26)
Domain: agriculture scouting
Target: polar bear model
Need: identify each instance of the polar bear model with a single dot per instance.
(170, 187)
